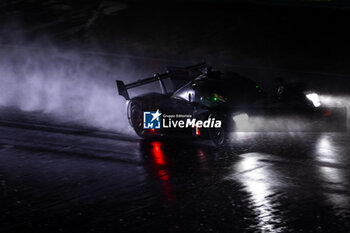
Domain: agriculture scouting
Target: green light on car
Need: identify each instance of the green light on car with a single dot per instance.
(215, 98)
(257, 86)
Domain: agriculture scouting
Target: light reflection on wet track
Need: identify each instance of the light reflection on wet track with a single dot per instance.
(94, 181)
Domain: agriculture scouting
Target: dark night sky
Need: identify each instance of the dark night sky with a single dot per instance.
(299, 35)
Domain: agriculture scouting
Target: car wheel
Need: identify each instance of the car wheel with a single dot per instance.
(220, 136)
(137, 119)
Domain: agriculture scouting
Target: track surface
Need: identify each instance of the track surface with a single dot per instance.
(67, 179)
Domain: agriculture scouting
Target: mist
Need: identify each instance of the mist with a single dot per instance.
(71, 85)
(78, 86)
(338, 101)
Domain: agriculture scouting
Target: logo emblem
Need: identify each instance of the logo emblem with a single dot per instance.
(151, 120)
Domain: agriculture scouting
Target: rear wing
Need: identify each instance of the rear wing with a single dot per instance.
(175, 73)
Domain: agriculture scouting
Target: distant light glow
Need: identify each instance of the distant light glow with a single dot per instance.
(314, 99)
(242, 122)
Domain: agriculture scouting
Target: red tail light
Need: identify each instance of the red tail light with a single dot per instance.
(197, 131)
(327, 113)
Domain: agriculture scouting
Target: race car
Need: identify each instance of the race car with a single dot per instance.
(211, 104)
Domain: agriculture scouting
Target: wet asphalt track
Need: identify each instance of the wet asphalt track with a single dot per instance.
(68, 179)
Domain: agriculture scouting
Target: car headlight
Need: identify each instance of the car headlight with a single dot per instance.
(313, 97)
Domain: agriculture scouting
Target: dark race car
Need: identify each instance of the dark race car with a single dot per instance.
(212, 104)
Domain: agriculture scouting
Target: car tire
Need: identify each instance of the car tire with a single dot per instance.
(220, 136)
(136, 119)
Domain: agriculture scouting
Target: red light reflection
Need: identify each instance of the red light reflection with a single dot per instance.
(163, 175)
(157, 153)
(160, 162)
(203, 160)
